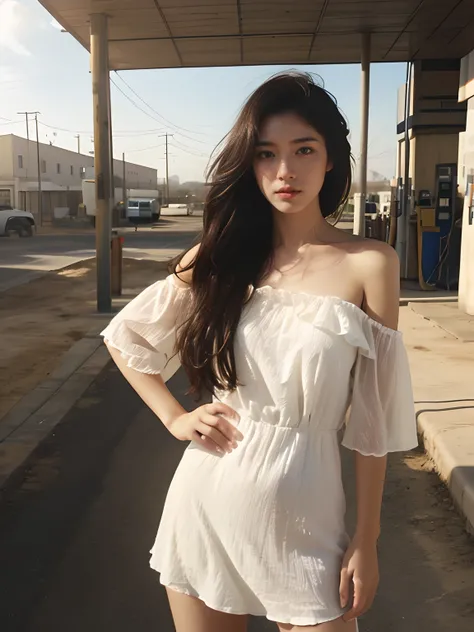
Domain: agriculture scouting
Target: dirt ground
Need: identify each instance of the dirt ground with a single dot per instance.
(426, 555)
(42, 319)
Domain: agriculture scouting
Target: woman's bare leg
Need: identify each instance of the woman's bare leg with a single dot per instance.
(330, 626)
(192, 615)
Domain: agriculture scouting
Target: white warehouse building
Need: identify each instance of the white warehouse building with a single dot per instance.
(62, 172)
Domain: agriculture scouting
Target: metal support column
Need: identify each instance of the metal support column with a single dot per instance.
(124, 181)
(359, 210)
(403, 220)
(102, 155)
(111, 146)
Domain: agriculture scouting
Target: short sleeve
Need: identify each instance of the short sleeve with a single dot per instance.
(144, 331)
(382, 412)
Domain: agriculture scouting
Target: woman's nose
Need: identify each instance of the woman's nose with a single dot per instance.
(284, 170)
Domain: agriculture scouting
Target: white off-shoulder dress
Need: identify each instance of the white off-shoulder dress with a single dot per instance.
(261, 530)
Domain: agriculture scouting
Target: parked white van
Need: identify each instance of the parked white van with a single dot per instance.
(143, 209)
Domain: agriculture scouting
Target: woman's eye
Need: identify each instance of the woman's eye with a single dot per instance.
(305, 150)
(264, 154)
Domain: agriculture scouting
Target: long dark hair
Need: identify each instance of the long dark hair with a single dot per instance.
(236, 245)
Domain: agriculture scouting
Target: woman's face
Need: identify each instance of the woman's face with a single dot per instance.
(290, 162)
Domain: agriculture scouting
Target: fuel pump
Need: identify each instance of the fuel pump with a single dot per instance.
(438, 252)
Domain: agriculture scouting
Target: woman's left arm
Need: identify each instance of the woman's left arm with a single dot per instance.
(360, 564)
(380, 269)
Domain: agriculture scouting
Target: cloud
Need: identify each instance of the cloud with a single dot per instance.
(10, 24)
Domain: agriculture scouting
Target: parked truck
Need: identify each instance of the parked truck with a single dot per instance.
(148, 202)
(88, 197)
(15, 221)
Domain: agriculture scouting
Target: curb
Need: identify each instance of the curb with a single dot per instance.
(446, 427)
(35, 416)
(451, 449)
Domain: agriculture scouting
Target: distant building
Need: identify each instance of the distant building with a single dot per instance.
(174, 181)
(385, 201)
(62, 172)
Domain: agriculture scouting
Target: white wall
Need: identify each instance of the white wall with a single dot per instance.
(21, 174)
(136, 176)
(50, 158)
(466, 275)
(6, 162)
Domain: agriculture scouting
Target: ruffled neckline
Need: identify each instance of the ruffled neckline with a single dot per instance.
(318, 298)
(331, 314)
(326, 312)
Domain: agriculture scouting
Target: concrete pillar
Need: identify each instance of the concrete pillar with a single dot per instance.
(403, 220)
(466, 276)
(466, 187)
(359, 208)
(102, 157)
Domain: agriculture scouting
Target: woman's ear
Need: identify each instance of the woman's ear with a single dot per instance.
(329, 166)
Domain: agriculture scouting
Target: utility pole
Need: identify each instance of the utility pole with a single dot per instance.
(359, 212)
(40, 201)
(27, 127)
(124, 185)
(78, 143)
(167, 176)
(27, 153)
(40, 194)
(167, 185)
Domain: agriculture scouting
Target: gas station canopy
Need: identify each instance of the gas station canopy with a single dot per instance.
(200, 33)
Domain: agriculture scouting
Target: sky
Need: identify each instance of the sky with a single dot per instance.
(43, 69)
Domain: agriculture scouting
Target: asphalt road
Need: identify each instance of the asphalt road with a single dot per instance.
(24, 259)
(75, 535)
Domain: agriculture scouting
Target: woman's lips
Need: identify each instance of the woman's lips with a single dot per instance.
(287, 195)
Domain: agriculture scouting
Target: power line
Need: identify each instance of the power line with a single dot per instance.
(126, 134)
(381, 153)
(191, 150)
(189, 153)
(195, 140)
(153, 109)
(118, 133)
(145, 148)
(133, 102)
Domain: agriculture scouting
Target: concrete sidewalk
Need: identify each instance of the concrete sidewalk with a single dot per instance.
(440, 344)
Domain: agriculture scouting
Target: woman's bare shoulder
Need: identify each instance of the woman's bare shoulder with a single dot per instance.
(184, 270)
(366, 251)
(373, 253)
(377, 266)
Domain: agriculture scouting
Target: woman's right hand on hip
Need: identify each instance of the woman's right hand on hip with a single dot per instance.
(208, 426)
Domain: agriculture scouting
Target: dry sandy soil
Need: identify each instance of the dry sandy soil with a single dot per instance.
(42, 319)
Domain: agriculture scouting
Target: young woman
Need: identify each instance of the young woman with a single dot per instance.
(287, 321)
